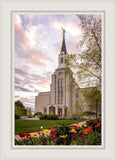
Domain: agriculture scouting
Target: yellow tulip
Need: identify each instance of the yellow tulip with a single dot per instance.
(32, 135)
(46, 130)
(63, 136)
(73, 131)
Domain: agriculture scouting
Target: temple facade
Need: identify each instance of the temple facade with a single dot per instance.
(64, 91)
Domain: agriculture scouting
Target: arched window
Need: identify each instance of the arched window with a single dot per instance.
(60, 73)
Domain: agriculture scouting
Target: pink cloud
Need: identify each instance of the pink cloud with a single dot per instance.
(26, 41)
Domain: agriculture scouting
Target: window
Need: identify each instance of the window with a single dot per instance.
(60, 91)
(61, 60)
(60, 73)
(61, 81)
(60, 111)
(45, 111)
(58, 82)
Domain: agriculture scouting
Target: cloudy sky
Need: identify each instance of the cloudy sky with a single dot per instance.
(38, 40)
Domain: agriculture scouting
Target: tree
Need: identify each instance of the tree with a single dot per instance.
(78, 110)
(19, 104)
(87, 64)
(29, 113)
(20, 108)
(18, 111)
(93, 98)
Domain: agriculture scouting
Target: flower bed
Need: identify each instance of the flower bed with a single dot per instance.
(88, 134)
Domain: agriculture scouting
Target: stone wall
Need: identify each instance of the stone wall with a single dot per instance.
(42, 100)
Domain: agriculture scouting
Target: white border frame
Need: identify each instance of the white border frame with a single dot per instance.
(13, 53)
(6, 152)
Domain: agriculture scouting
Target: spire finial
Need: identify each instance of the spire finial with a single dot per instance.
(63, 30)
(63, 42)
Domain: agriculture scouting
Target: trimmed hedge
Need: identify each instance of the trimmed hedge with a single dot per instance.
(48, 117)
(37, 114)
(89, 113)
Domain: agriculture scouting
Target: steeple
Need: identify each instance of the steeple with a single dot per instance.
(63, 53)
(63, 49)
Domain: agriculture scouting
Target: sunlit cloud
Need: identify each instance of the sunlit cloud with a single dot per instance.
(32, 33)
(71, 28)
(18, 21)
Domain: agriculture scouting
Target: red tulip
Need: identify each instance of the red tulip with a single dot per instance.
(94, 122)
(75, 126)
(22, 134)
(53, 136)
(27, 134)
(89, 127)
(52, 132)
(83, 133)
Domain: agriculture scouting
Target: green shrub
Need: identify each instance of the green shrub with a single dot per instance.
(48, 117)
(63, 130)
(30, 116)
(17, 116)
(93, 139)
(89, 113)
(37, 114)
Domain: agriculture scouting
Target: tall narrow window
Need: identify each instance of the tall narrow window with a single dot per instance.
(60, 91)
(61, 60)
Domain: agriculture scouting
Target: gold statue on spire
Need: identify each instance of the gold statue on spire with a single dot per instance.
(63, 30)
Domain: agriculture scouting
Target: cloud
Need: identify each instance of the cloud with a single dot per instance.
(18, 88)
(34, 32)
(26, 81)
(28, 43)
(38, 41)
(20, 71)
(26, 101)
(71, 27)
(18, 21)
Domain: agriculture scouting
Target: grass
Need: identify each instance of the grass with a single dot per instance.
(27, 126)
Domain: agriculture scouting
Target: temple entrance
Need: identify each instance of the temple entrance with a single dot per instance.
(59, 111)
(51, 110)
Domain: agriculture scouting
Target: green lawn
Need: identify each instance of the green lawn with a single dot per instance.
(25, 126)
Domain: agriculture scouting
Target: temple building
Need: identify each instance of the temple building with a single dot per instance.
(61, 98)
